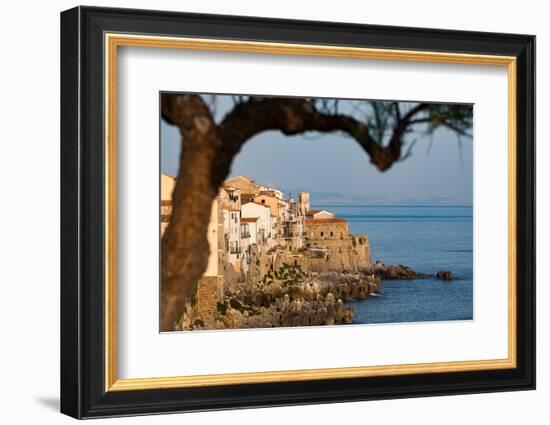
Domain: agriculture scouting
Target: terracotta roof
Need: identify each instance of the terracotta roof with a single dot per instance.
(325, 220)
(249, 219)
(225, 207)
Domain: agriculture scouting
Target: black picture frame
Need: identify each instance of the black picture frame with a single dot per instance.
(83, 392)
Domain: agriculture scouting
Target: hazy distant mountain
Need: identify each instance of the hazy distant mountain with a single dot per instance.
(336, 198)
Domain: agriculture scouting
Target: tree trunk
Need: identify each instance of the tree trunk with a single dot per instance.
(196, 187)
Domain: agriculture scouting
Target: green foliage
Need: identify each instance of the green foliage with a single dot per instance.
(236, 304)
(458, 118)
(222, 307)
(290, 274)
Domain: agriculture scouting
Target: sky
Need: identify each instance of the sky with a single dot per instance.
(337, 170)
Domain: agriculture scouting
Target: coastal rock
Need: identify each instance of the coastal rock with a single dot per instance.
(300, 301)
(393, 271)
(444, 275)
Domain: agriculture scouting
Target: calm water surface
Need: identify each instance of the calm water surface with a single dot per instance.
(427, 239)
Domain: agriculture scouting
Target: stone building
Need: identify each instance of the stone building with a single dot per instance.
(303, 203)
(330, 238)
(293, 227)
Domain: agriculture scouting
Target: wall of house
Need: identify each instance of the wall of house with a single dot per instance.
(212, 268)
(232, 228)
(245, 184)
(167, 184)
(263, 213)
(332, 235)
(270, 201)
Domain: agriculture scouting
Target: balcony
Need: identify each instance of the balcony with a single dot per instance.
(245, 235)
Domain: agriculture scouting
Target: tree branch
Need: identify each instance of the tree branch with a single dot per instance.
(293, 116)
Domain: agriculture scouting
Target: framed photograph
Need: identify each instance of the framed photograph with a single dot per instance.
(261, 212)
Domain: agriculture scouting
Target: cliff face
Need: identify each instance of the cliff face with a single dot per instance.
(289, 297)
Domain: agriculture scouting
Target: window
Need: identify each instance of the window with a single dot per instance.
(331, 234)
(322, 233)
(263, 201)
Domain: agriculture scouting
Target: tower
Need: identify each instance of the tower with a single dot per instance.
(303, 203)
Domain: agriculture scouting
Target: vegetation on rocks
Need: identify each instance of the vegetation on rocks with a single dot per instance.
(289, 297)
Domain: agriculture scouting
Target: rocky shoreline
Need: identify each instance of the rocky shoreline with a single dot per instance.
(290, 297)
(393, 271)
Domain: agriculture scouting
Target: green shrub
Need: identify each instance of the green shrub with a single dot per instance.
(222, 307)
(236, 304)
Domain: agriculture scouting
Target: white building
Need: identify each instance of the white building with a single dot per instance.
(232, 235)
(264, 225)
(249, 230)
(249, 237)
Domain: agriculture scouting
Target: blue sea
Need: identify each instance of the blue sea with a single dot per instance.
(427, 239)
